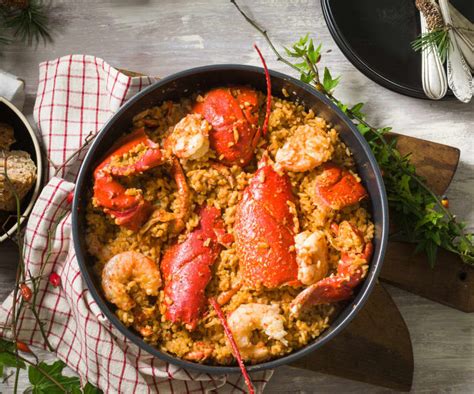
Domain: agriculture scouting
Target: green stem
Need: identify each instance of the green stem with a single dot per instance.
(43, 334)
(17, 375)
(41, 370)
(264, 33)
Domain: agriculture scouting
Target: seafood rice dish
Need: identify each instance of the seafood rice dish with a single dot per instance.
(231, 197)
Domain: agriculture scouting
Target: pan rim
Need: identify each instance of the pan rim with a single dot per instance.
(344, 317)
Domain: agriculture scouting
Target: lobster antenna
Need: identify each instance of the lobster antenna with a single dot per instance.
(269, 91)
(235, 349)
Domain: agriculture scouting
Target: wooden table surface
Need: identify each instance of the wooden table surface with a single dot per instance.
(161, 37)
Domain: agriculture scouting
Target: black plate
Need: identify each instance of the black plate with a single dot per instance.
(376, 36)
(203, 78)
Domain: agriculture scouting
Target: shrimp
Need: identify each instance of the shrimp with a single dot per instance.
(249, 317)
(311, 256)
(348, 238)
(200, 351)
(306, 149)
(127, 267)
(189, 138)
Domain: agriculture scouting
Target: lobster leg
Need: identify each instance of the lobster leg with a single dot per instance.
(186, 268)
(351, 269)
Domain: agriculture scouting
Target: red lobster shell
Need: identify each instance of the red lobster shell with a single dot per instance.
(233, 115)
(128, 210)
(338, 188)
(186, 268)
(264, 231)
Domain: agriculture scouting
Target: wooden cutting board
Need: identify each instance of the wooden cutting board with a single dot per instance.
(449, 282)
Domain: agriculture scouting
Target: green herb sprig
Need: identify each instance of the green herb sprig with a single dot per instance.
(417, 211)
(28, 23)
(44, 378)
(438, 39)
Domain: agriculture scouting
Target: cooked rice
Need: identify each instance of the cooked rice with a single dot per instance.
(222, 187)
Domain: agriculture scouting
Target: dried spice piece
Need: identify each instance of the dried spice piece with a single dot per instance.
(70, 197)
(26, 292)
(22, 347)
(432, 14)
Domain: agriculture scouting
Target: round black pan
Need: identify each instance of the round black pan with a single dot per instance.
(200, 79)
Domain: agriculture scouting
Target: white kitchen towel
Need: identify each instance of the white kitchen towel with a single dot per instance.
(76, 95)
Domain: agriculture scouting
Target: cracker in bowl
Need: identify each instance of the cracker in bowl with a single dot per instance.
(21, 171)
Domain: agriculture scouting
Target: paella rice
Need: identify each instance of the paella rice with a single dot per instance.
(222, 186)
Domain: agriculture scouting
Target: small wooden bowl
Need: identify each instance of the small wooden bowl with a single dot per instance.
(26, 140)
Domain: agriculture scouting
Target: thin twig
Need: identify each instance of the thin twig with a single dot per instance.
(264, 33)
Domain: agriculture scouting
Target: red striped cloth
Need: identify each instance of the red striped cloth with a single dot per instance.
(76, 95)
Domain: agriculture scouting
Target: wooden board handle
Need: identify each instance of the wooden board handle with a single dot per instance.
(375, 348)
(437, 163)
(449, 282)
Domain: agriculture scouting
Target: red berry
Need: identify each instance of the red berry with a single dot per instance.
(54, 279)
(25, 292)
(70, 197)
(22, 347)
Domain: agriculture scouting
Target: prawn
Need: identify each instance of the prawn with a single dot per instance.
(306, 149)
(121, 270)
(200, 351)
(189, 138)
(311, 256)
(249, 317)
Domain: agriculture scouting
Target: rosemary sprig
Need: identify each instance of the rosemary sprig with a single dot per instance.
(417, 210)
(438, 39)
(27, 23)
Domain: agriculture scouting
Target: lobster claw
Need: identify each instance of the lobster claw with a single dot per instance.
(337, 188)
(126, 206)
(351, 269)
(264, 230)
(186, 268)
(233, 115)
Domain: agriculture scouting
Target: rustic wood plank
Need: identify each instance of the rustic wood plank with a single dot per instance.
(366, 350)
(449, 282)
